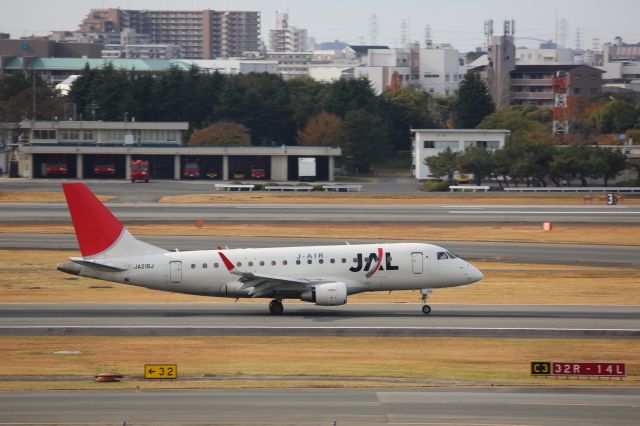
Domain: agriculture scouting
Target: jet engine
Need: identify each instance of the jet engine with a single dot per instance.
(329, 294)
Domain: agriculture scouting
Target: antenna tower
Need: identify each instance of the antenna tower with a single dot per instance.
(563, 32)
(403, 33)
(428, 41)
(488, 32)
(374, 29)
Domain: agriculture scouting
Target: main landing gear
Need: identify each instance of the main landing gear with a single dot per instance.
(275, 307)
(425, 292)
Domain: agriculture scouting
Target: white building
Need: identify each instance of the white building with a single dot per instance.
(559, 56)
(430, 142)
(134, 45)
(291, 64)
(440, 70)
(436, 69)
(234, 66)
(286, 38)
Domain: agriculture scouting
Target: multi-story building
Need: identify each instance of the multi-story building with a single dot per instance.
(204, 34)
(286, 38)
(29, 48)
(621, 62)
(512, 84)
(533, 84)
(139, 46)
(435, 69)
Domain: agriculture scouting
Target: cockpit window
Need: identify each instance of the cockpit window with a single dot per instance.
(451, 255)
(442, 255)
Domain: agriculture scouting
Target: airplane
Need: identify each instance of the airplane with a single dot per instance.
(324, 275)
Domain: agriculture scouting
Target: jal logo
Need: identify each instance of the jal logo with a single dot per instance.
(363, 263)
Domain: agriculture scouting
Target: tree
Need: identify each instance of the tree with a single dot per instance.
(579, 161)
(406, 108)
(445, 163)
(476, 160)
(473, 102)
(523, 159)
(524, 121)
(321, 130)
(365, 137)
(221, 133)
(346, 94)
(614, 162)
(616, 116)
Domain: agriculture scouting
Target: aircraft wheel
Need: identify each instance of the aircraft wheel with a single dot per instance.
(275, 307)
(426, 309)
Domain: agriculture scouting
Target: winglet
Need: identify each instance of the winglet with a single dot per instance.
(226, 261)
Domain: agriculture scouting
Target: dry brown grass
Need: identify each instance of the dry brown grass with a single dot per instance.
(31, 276)
(39, 197)
(467, 198)
(618, 235)
(502, 361)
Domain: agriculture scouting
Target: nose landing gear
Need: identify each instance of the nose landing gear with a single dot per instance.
(275, 307)
(425, 292)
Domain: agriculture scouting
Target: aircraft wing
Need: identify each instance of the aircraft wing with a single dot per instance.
(262, 285)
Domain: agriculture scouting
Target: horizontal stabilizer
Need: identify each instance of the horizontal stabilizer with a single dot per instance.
(100, 264)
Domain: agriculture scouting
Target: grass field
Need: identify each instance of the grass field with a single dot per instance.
(286, 361)
(31, 276)
(38, 197)
(444, 198)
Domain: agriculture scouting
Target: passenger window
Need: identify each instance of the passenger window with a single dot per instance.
(261, 263)
(320, 261)
(273, 263)
(193, 266)
(239, 264)
(442, 255)
(215, 265)
(332, 261)
(250, 263)
(284, 262)
(309, 261)
(204, 266)
(297, 262)
(344, 260)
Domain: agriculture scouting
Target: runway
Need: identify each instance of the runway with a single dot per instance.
(302, 319)
(330, 213)
(500, 251)
(455, 406)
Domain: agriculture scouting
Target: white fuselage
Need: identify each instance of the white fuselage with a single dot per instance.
(369, 267)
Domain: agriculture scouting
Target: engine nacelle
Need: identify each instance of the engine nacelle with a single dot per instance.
(329, 294)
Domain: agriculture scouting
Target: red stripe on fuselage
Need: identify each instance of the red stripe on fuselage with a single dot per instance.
(226, 261)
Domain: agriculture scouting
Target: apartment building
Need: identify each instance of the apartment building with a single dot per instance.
(204, 34)
(533, 84)
(286, 38)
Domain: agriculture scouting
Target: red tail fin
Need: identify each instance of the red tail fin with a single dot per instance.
(96, 227)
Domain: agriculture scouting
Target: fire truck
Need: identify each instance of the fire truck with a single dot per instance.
(140, 170)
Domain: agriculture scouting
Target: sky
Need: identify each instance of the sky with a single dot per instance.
(459, 22)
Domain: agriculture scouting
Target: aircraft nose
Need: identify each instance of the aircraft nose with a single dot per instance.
(475, 274)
